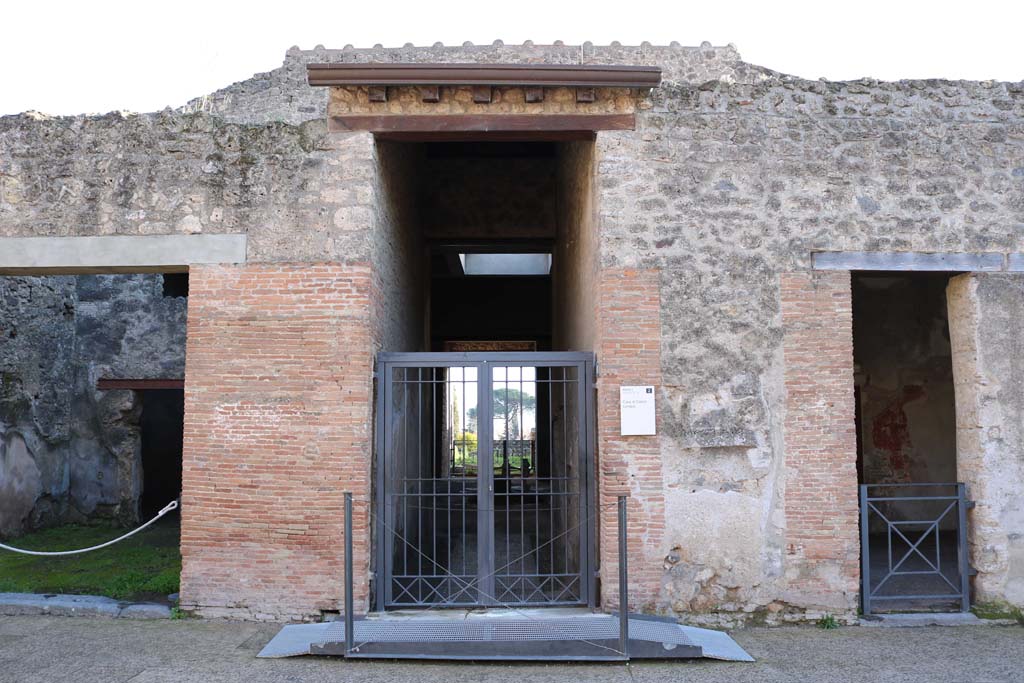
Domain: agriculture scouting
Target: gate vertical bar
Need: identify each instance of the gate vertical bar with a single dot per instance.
(962, 558)
(380, 575)
(865, 553)
(485, 485)
(349, 618)
(592, 497)
(623, 582)
(582, 487)
(385, 519)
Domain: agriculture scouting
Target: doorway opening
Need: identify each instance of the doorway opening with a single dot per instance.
(485, 481)
(484, 391)
(912, 508)
(92, 447)
(162, 424)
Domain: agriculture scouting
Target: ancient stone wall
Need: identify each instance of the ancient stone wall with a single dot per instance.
(723, 186)
(576, 250)
(299, 194)
(985, 318)
(818, 485)
(277, 428)
(399, 262)
(711, 207)
(628, 348)
(67, 451)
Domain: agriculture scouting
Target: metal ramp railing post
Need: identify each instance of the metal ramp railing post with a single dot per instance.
(349, 618)
(623, 582)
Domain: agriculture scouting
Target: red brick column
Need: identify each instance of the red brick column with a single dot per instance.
(277, 427)
(822, 547)
(629, 353)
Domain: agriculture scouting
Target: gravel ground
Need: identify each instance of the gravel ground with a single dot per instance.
(52, 649)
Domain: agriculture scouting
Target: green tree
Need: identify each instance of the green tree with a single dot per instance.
(508, 404)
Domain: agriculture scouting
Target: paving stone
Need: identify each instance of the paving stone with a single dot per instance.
(922, 619)
(59, 605)
(146, 611)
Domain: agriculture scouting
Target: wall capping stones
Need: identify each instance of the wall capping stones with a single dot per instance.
(914, 260)
(116, 253)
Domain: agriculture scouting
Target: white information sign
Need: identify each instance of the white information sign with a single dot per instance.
(636, 410)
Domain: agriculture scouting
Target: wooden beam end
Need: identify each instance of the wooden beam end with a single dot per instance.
(534, 94)
(482, 94)
(585, 95)
(430, 93)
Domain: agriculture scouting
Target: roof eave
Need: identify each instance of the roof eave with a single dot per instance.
(507, 75)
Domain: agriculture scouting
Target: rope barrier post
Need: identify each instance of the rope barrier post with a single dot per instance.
(349, 619)
(623, 582)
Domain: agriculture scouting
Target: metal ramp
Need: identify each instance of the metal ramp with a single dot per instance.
(590, 637)
(545, 634)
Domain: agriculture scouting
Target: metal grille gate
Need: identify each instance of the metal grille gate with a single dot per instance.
(914, 546)
(484, 479)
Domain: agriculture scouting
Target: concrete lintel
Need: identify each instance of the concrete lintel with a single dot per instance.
(907, 261)
(116, 253)
(1015, 263)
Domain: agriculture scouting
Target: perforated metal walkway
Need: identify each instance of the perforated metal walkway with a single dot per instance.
(558, 638)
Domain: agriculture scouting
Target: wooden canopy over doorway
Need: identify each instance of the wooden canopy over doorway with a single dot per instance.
(402, 100)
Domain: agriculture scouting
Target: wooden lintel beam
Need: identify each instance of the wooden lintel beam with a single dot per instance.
(502, 75)
(481, 123)
(492, 136)
(139, 384)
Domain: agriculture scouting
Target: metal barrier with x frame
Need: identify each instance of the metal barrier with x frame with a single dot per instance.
(914, 545)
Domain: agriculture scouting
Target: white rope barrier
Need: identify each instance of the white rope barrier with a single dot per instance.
(173, 505)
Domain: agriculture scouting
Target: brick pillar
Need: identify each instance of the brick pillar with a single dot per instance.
(629, 352)
(277, 427)
(986, 330)
(821, 504)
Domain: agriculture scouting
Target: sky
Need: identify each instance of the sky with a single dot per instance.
(94, 56)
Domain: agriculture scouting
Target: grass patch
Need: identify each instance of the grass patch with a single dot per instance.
(146, 566)
(828, 622)
(992, 610)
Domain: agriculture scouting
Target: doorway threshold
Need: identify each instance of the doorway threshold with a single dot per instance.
(912, 619)
(456, 614)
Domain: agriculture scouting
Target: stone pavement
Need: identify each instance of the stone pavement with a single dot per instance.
(55, 649)
(21, 604)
